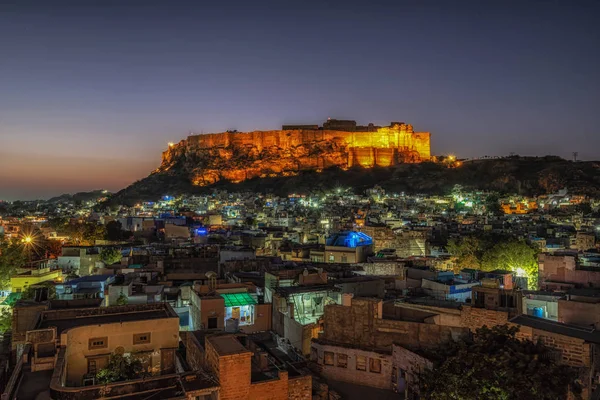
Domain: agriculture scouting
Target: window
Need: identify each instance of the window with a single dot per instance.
(328, 358)
(141, 338)
(344, 258)
(331, 257)
(212, 323)
(342, 360)
(375, 365)
(361, 363)
(98, 343)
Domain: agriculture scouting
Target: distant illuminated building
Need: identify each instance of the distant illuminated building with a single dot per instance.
(348, 247)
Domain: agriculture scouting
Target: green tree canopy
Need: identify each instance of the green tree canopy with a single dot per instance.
(5, 320)
(496, 365)
(467, 251)
(120, 368)
(515, 256)
(12, 257)
(110, 255)
(122, 300)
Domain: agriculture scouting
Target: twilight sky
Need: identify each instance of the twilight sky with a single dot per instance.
(91, 91)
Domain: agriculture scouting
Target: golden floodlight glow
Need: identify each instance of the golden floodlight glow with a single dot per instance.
(28, 239)
(171, 144)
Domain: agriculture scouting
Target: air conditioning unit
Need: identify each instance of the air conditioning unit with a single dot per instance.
(89, 380)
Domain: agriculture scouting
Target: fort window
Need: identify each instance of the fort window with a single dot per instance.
(342, 361)
(141, 338)
(98, 343)
(328, 358)
(361, 363)
(375, 365)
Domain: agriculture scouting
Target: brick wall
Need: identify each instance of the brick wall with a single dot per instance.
(300, 388)
(195, 355)
(276, 389)
(234, 376)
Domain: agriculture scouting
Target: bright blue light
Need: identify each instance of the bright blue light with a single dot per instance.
(201, 231)
(349, 239)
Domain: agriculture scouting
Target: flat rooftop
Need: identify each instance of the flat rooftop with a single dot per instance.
(73, 318)
(588, 334)
(287, 290)
(227, 345)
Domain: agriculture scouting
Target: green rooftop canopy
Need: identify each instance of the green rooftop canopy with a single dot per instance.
(11, 299)
(238, 299)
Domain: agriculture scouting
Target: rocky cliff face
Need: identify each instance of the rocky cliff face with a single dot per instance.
(235, 157)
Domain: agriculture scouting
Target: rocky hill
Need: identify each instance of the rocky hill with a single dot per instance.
(524, 175)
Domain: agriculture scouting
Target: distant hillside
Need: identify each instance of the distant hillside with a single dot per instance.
(80, 196)
(523, 175)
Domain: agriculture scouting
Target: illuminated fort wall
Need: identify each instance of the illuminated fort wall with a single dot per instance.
(299, 149)
(387, 138)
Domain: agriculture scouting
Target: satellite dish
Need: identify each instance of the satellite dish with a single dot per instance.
(120, 350)
(211, 274)
(305, 272)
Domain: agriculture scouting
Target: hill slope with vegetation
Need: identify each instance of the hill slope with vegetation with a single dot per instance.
(518, 175)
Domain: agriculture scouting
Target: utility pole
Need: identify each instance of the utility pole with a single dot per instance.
(575, 154)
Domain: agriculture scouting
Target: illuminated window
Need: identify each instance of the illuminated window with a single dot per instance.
(342, 361)
(328, 358)
(98, 343)
(375, 365)
(361, 363)
(141, 338)
(331, 257)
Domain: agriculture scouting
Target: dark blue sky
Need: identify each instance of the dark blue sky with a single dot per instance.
(92, 91)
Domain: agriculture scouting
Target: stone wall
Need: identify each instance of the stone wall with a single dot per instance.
(350, 373)
(474, 318)
(300, 388)
(362, 324)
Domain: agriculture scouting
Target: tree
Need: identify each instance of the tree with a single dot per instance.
(52, 248)
(110, 255)
(120, 368)
(12, 257)
(86, 233)
(495, 365)
(515, 256)
(467, 251)
(114, 231)
(492, 205)
(122, 300)
(5, 320)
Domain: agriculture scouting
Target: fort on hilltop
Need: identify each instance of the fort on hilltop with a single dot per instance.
(237, 156)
